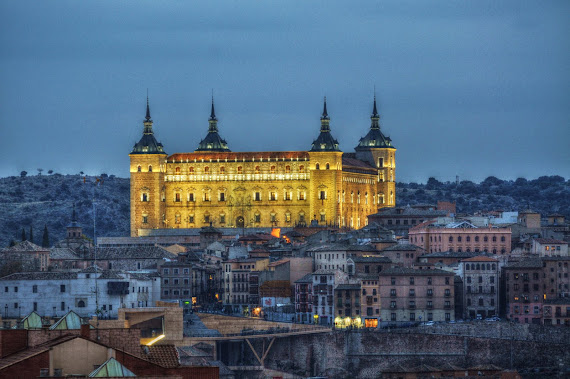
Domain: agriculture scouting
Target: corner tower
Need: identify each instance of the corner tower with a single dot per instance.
(326, 174)
(376, 149)
(148, 165)
(213, 141)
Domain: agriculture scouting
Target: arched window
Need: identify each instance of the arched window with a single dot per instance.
(80, 304)
(327, 166)
(222, 170)
(239, 170)
(150, 168)
(468, 239)
(494, 251)
(145, 196)
(191, 170)
(139, 168)
(458, 238)
(488, 266)
(478, 266)
(287, 169)
(257, 169)
(177, 197)
(468, 250)
(450, 238)
(317, 167)
(493, 266)
(476, 238)
(206, 170)
(485, 239)
(494, 239)
(467, 266)
(301, 168)
(503, 251)
(177, 170)
(503, 239)
(272, 169)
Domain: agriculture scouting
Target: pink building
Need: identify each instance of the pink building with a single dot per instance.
(461, 236)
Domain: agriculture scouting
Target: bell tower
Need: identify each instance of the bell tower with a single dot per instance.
(148, 167)
(376, 149)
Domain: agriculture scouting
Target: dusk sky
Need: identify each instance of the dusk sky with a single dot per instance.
(468, 88)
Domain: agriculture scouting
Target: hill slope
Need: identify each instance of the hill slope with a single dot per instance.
(48, 200)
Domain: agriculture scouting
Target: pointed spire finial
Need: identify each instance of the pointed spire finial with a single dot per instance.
(147, 118)
(213, 113)
(374, 110)
(325, 113)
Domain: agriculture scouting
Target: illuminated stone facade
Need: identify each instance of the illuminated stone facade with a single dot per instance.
(260, 189)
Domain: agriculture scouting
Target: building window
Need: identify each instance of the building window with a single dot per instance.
(62, 288)
(63, 306)
(257, 217)
(191, 197)
(222, 219)
(257, 196)
(272, 196)
(34, 288)
(145, 219)
(222, 196)
(392, 317)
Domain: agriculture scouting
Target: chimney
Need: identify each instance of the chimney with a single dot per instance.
(85, 331)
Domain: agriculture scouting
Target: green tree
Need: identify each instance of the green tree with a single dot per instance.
(45, 237)
(12, 243)
(24, 234)
(31, 239)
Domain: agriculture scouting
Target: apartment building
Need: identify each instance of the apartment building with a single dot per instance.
(410, 295)
(480, 287)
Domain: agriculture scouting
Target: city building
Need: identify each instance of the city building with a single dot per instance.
(481, 287)
(524, 290)
(260, 189)
(401, 219)
(55, 293)
(461, 236)
(347, 308)
(236, 276)
(336, 256)
(410, 295)
(25, 256)
(370, 304)
(304, 299)
(403, 254)
(549, 247)
(324, 282)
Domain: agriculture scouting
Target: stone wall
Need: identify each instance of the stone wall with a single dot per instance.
(368, 353)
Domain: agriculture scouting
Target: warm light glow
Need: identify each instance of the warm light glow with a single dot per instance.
(194, 300)
(276, 232)
(155, 340)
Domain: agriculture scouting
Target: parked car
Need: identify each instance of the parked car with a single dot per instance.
(429, 323)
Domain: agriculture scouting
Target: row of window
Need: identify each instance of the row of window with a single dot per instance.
(412, 317)
(34, 288)
(480, 278)
(239, 170)
(413, 280)
(477, 266)
(481, 302)
(175, 271)
(412, 292)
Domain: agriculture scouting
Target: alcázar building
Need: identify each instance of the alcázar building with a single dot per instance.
(214, 185)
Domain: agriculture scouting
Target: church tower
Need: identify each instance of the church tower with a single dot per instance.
(213, 141)
(377, 150)
(148, 167)
(326, 174)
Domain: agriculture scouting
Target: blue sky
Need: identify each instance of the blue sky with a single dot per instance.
(468, 88)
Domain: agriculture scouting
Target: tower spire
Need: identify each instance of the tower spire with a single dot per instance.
(213, 121)
(147, 118)
(325, 115)
(213, 113)
(375, 117)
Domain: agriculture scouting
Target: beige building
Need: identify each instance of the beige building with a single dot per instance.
(260, 189)
(407, 294)
(548, 247)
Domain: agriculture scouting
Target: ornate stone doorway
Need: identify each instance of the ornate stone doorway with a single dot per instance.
(240, 222)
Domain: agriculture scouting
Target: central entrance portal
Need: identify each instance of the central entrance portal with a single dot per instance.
(239, 222)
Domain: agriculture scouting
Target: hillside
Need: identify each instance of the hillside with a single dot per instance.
(48, 200)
